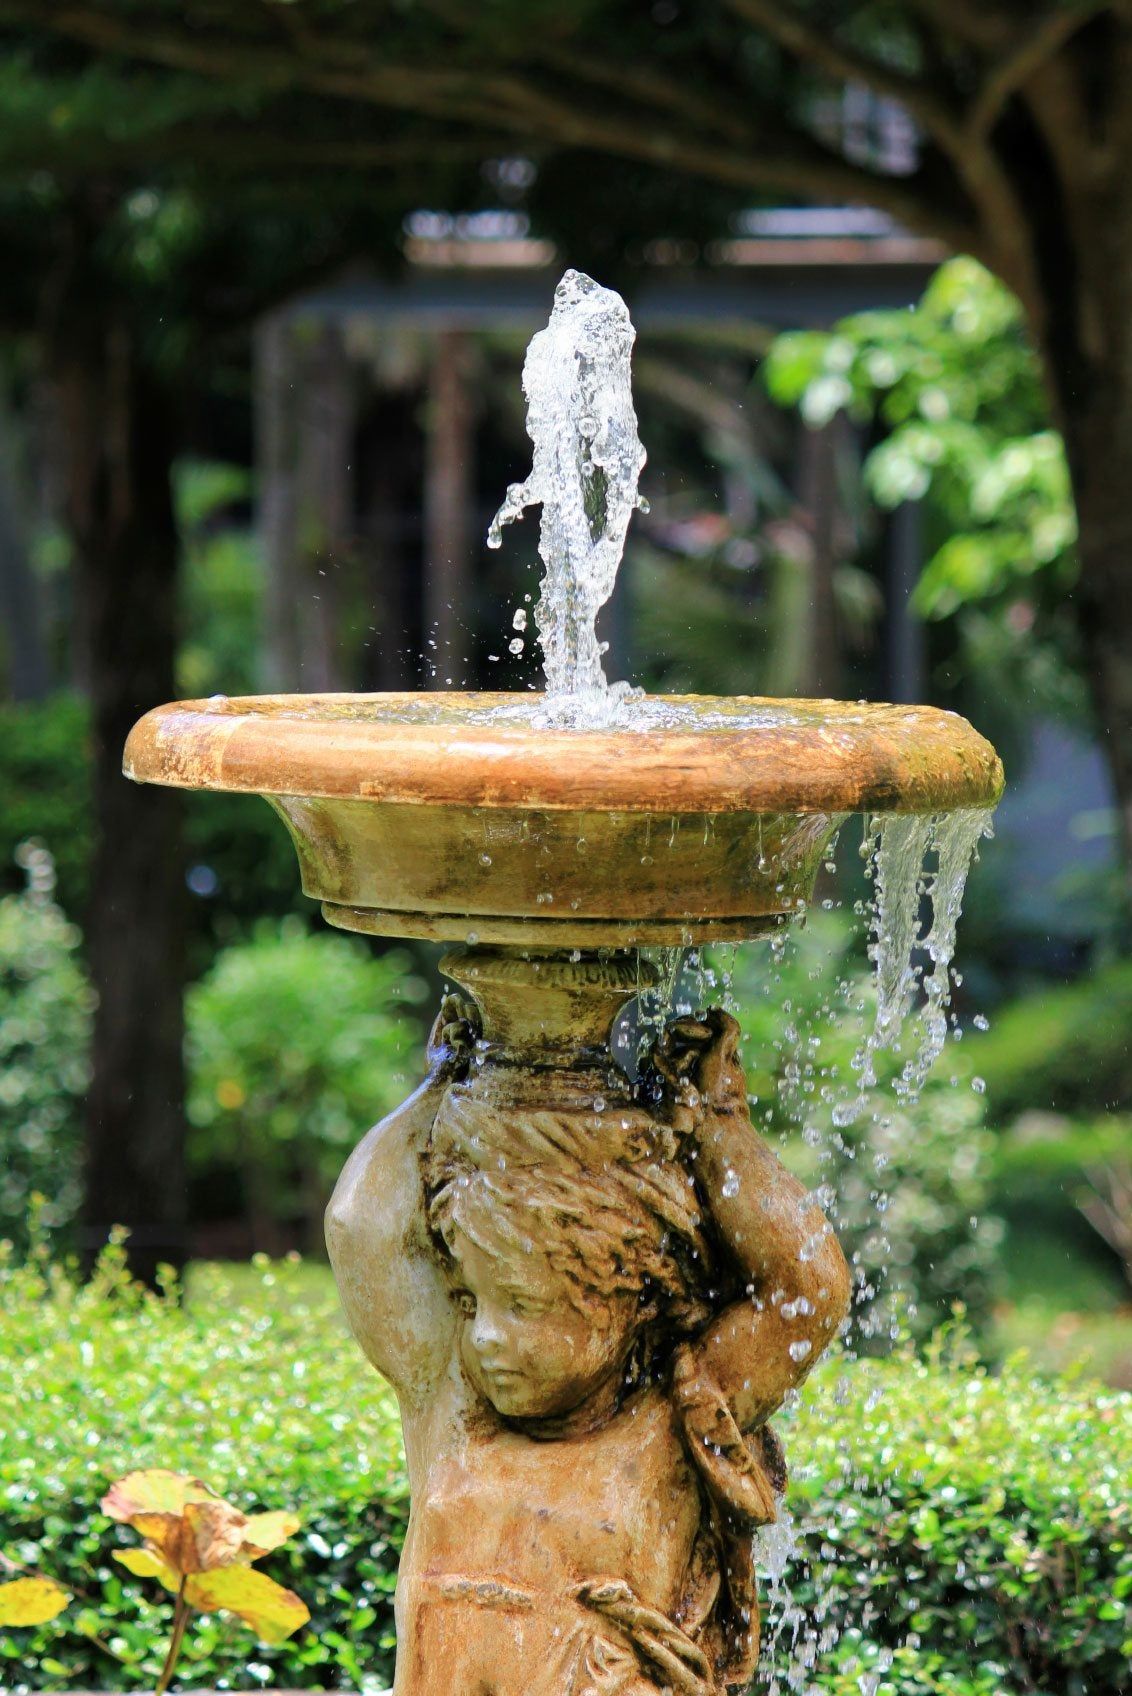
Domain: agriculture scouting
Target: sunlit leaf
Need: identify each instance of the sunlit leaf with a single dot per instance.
(272, 1612)
(31, 1601)
(265, 1531)
(143, 1563)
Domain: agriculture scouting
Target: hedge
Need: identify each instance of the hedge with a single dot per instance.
(963, 1533)
(1066, 1048)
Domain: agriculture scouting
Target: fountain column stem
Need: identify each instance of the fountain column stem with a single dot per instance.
(542, 1004)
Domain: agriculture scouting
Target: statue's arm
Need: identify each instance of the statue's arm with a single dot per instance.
(797, 1282)
(389, 1278)
(796, 1285)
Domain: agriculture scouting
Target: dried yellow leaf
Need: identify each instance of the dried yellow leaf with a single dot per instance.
(31, 1601)
(156, 1491)
(272, 1612)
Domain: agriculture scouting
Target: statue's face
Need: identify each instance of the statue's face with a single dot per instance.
(525, 1343)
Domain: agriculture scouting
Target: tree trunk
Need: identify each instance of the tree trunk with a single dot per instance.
(1100, 448)
(119, 507)
(21, 610)
(819, 492)
(1084, 333)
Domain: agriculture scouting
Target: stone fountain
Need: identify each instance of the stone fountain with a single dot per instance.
(590, 1292)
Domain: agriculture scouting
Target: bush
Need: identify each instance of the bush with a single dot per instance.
(241, 862)
(45, 791)
(45, 1014)
(1068, 1048)
(907, 1183)
(296, 1043)
(265, 1398)
(965, 1534)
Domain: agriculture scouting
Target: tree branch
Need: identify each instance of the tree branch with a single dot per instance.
(776, 19)
(977, 25)
(229, 151)
(649, 88)
(788, 160)
(1041, 42)
(1005, 229)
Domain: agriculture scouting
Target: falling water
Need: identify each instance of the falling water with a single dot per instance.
(900, 849)
(586, 463)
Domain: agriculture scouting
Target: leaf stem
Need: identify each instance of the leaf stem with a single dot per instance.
(180, 1621)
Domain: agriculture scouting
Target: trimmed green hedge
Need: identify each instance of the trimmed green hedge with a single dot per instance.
(1067, 1048)
(967, 1534)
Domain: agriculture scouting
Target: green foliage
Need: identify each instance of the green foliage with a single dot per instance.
(45, 1014)
(956, 388)
(951, 1523)
(296, 1043)
(907, 1183)
(45, 791)
(223, 582)
(1066, 1047)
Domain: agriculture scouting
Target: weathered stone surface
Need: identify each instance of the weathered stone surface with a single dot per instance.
(590, 1298)
(803, 756)
(446, 827)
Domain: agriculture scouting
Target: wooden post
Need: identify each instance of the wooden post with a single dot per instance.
(326, 415)
(904, 632)
(448, 495)
(818, 490)
(273, 386)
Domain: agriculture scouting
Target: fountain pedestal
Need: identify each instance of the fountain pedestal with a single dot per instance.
(590, 1295)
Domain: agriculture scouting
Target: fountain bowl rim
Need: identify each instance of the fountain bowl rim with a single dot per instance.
(804, 756)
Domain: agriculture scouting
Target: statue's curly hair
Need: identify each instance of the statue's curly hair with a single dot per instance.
(606, 1200)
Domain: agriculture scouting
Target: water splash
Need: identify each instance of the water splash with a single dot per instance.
(586, 464)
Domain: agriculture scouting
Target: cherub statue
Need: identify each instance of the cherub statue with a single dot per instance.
(589, 1309)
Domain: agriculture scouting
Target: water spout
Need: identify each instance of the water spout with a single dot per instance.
(586, 464)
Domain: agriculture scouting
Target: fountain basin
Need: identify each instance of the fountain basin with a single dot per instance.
(458, 817)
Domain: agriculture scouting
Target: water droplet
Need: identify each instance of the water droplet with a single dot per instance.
(800, 1349)
(515, 645)
(485, 858)
(730, 1185)
(979, 1085)
(519, 619)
